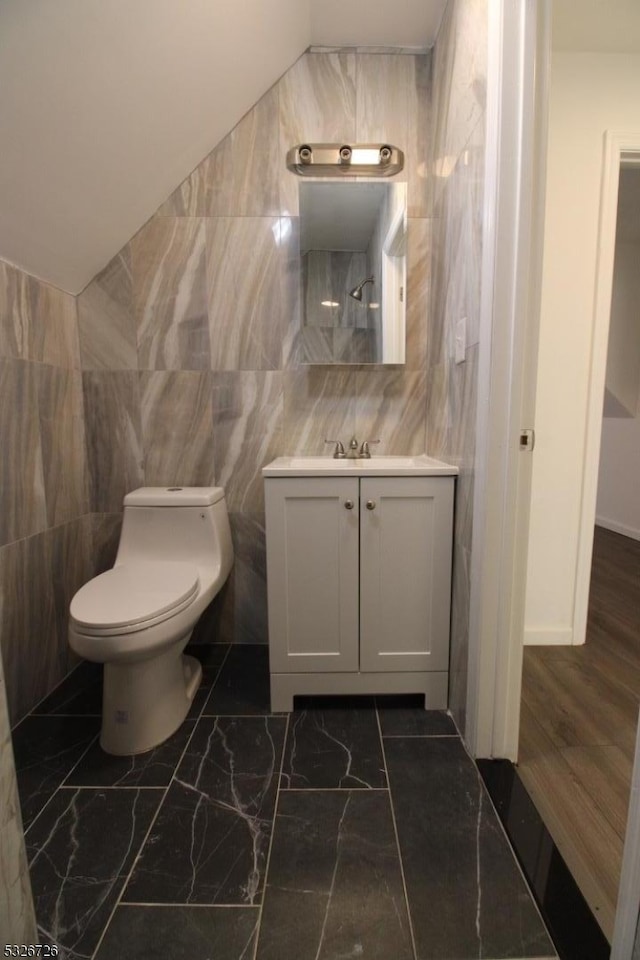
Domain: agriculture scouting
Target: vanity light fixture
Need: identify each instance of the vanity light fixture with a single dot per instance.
(329, 303)
(345, 160)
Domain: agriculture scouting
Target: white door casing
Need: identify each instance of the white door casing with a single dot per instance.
(516, 120)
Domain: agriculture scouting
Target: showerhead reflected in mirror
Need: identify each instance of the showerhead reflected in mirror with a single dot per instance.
(352, 244)
(356, 293)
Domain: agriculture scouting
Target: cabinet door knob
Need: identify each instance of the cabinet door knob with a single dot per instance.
(348, 504)
(371, 504)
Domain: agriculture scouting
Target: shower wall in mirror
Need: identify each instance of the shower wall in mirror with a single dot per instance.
(353, 246)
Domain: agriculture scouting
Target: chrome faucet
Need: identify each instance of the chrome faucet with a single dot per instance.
(353, 449)
(338, 453)
(365, 453)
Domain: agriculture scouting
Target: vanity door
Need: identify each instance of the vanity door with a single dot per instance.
(405, 573)
(312, 573)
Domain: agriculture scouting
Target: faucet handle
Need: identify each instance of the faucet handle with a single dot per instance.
(338, 453)
(365, 453)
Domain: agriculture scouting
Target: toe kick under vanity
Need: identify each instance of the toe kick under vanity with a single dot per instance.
(359, 576)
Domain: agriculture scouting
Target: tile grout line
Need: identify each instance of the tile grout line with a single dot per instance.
(153, 820)
(395, 830)
(273, 832)
(61, 785)
(190, 906)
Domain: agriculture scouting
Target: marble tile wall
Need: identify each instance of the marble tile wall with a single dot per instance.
(455, 244)
(45, 530)
(192, 363)
(17, 920)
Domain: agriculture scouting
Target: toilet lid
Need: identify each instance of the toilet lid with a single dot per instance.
(134, 592)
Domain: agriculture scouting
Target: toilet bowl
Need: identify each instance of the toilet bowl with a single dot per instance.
(174, 555)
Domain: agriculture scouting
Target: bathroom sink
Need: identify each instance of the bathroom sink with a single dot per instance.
(419, 466)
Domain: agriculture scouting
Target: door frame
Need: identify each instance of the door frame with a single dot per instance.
(619, 147)
(515, 163)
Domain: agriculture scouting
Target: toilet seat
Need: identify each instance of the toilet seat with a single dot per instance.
(133, 596)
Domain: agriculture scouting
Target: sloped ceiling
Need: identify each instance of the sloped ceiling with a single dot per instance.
(107, 105)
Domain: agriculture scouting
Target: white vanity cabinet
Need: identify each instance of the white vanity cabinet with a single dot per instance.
(359, 583)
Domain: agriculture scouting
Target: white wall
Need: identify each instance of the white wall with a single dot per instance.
(623, 356)
(108, 106)
(619, 477)
(590, 93)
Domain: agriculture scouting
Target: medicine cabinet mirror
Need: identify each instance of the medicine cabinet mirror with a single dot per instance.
(353, 260)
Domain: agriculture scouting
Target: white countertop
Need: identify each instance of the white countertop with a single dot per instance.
(419, 466)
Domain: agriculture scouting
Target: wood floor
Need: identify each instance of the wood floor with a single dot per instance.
(578, 726)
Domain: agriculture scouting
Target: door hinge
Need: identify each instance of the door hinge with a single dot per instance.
(527, 440)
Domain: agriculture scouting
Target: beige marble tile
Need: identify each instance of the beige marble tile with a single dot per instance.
(17, 920)
(418, 143)
(176, 428)
(53, 327)
(169, 294)
(105, 537)
(105, 318)
(460, 83)
(61, 410)
(190, 198)
(247, 409)
(319, 403)
(383, 83)
(71, 567)
(113, 437)
(438, 415)
(244, 172)
(21, 474)
(15, 312)
(390, 407)
(463, 402)
(239, 612)
(394, 106)
(28, 628)
(9, 802)
(419, 249)
(464, 217)
(37, 321)
(317, 105)
(246, 264)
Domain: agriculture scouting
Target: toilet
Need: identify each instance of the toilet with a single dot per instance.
(174, 555)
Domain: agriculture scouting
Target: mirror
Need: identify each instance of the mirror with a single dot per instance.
(353, 261)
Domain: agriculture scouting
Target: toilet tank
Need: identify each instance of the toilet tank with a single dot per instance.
(176, 523)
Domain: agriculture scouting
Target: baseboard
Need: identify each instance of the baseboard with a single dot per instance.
(616, 527)
(548, 637)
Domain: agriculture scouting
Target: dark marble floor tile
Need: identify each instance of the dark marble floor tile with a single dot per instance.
(79, 694)
(151, 769)
(80, 852)
(334, 887)
(242, 687)
(176, 933)
(46, 750)
(467, 897)
(333, 743)
(406, 717)
(573, 927)
(211, 657)
(209, 843)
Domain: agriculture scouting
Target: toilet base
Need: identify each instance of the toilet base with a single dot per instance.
(144, 702)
